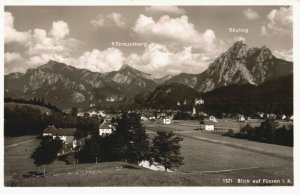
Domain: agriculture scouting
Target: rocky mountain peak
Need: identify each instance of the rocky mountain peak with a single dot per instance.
(239, 44)
(124, 67)
(129, 70)
(238, 49)
(265, 53)
(243, 65)
(52, 65)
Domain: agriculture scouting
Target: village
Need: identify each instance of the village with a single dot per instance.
(166, 120)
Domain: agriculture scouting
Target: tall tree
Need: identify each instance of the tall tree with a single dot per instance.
(267, 129)
(46, 152)
(138, 141)
(121, 137)
(90, 151)
(74, 111)
(165, 150)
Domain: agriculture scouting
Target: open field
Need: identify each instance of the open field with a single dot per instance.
(225, 123)
(41, 108)
(17, 151)
(205, 152)
(206, 164)
(191, 132)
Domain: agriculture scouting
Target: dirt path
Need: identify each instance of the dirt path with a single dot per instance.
(20, 143)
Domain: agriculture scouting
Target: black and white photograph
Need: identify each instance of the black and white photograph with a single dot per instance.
(148, 95)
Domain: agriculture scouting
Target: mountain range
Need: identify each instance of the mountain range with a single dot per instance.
(66, 86)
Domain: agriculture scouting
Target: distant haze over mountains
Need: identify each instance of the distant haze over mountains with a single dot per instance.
(67, 86)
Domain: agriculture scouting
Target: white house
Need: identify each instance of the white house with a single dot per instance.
(81, 114)
(241, 118)
(167, 121)
(101, 113)
(199, 101)
(93, 113)
(272, 115)
(207, 126)
(143, 118)
(212, 118)
(260, 114)
(152, 117)
(106, 128)
(110, 99)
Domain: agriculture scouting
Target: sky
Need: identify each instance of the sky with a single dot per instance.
(158, 40)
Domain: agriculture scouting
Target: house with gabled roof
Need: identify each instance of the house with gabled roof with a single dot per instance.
(167, 120)
(49, 131)
(199, 101)
(65, 134)
(241, 118)
(106, 128)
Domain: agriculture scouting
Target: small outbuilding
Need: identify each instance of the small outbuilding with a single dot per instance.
(207, 126)
(167, 121)
(241, 118)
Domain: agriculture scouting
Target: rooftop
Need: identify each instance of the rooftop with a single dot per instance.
(60, 131)
(207, 123)
(105, 125)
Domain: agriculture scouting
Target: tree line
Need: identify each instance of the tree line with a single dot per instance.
(25, 120)
(269, 131)
(273, 96)
(33, 101)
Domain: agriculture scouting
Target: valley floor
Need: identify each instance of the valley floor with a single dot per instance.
(210, 160)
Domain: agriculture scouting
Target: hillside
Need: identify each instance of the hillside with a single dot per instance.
(12, 105)
(104, 174)
(167, 96)
(272, 96)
